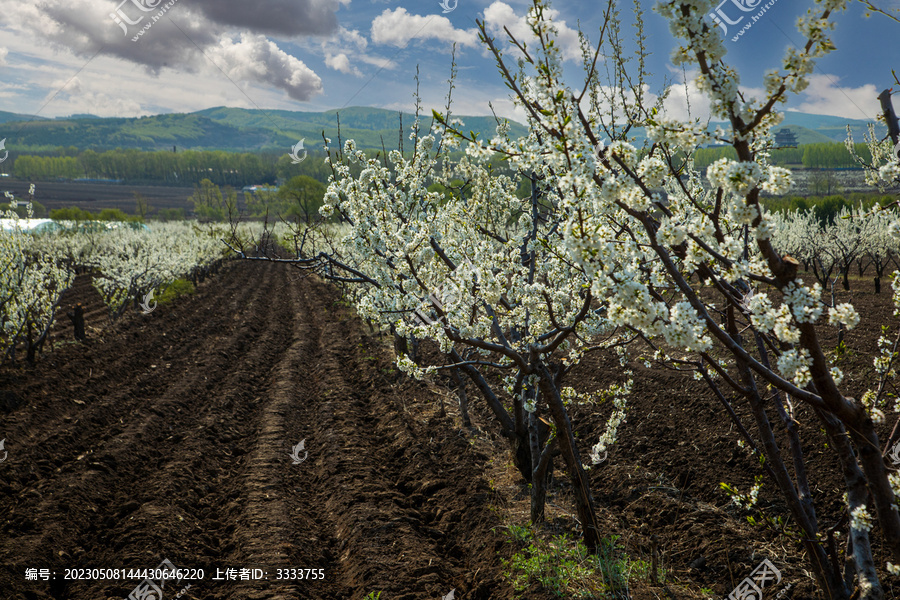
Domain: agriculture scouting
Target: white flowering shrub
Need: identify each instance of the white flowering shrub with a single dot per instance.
(478, 270)
(616, 245)
(131, 262)
(884, 170)
(31, 283)
(648, 256)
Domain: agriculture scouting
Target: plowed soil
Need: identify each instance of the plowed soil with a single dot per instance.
(170, 436)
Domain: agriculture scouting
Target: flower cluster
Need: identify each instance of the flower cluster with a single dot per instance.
(735, 177)
(794, 364)
(860, 519)
(619, 394)
(780, 181)
(844, 314)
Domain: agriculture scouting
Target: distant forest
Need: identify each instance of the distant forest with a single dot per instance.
(174, 168)
(190, 167)
(810, 156)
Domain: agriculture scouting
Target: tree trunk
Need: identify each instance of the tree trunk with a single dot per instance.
(855, 484)
(878, 285)
(401, 348)
(463, 399)
(77, 317)
(538, 479)
(584, 501)
(30, 344)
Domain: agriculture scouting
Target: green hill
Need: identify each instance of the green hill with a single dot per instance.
(243, 130)
(834, 128)
(808, 136)
(230, 129)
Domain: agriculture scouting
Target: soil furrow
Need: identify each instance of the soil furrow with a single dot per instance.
(190, 460)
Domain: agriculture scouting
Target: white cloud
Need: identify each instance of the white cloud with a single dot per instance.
(340, 62)
(3, 54)
(179, 39)
(346, 48)
(499, 15)
(686, 102)
(825, 97)
(398, 27)
(110, 87)
(256, 58)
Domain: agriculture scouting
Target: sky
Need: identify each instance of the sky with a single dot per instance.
(60, 58)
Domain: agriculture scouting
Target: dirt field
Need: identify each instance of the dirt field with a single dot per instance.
(97, 196)
(169, 436)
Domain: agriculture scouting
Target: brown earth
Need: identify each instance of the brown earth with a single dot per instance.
(97, 196)
(169, 436)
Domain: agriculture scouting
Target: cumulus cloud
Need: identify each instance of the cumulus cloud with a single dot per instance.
(3, 53)
(824, 96)
(340, 62)
(346, 43)
(81, 99)
(256, 58)
(499, 15)
(285, 17)
(186, 36)
(685, 101)
(398, 27)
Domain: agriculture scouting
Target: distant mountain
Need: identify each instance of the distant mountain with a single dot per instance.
(808, 136)
(231, 129)
(833, 128)
(6, 117)
(243, 130)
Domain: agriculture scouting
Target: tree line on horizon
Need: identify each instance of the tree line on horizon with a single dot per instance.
(190, 167)
(810, 156)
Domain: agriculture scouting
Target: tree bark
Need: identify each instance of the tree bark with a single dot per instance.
(857, 494)
(77, 318)
(463, 399)
(584, 501)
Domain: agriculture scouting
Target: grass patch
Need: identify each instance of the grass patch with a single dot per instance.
(563, 567)
(174, 289)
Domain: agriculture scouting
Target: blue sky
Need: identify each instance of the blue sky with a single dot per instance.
(63, 57)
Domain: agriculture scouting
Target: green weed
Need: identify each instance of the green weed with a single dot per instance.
(174, 289)
(565, 568)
